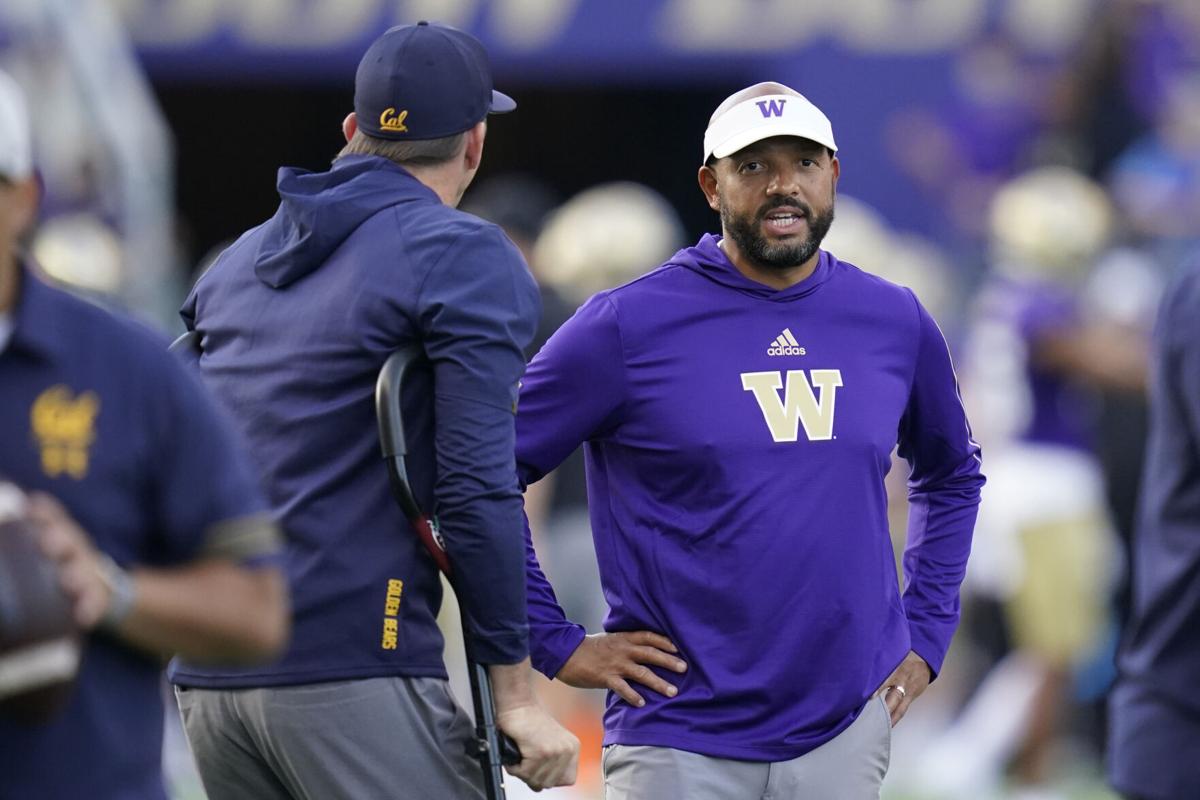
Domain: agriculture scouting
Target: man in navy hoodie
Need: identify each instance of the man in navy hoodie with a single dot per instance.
(296, 318)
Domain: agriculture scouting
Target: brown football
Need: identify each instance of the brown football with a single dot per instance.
(39, 641)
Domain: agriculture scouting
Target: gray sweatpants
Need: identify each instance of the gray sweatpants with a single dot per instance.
(850, 766)
(379, 738)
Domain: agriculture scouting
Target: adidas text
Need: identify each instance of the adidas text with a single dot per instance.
(785, 344)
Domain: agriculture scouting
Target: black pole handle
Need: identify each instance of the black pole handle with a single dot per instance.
(395, 447)
(491, 747)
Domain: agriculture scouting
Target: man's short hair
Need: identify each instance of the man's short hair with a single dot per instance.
(410, 153)
(711, 161)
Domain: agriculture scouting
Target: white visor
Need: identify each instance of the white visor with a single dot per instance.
(763, 117)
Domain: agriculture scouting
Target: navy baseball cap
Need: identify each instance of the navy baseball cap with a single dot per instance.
(425, 81)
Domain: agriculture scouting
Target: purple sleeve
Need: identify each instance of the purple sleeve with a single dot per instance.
(552, 637)
(943, 493)
(572, 392)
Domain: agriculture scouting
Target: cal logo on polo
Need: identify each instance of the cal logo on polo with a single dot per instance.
(389, 120)
(799, 404)
(65, 428)
(771, 108)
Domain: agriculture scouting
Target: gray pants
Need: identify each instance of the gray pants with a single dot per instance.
(849, 767)
(375, 738)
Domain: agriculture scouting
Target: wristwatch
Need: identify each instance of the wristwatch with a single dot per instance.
(122, 593)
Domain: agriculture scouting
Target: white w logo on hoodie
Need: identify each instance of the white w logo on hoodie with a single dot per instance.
(799, 405)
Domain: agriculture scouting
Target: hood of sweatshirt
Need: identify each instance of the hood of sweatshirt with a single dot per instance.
(319, 210)
(708, 259)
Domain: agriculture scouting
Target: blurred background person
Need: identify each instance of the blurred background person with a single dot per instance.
(1154, 753)
(1044, 548)
(141, 497)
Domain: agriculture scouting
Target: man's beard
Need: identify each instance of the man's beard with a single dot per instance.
(745, 232)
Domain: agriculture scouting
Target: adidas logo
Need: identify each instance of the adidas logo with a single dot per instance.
(785, 344)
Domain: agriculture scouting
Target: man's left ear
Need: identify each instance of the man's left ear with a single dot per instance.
(707, 178)
(474, 149)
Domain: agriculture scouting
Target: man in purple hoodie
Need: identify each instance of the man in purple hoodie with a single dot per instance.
(739, 406)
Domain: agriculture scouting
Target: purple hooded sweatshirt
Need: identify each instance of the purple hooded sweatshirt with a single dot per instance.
(737, 438)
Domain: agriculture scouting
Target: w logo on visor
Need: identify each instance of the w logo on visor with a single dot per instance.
(771, 108)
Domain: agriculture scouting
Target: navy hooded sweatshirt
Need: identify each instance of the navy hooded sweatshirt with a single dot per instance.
(296, 318)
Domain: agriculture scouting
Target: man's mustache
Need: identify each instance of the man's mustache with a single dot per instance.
(783, 202)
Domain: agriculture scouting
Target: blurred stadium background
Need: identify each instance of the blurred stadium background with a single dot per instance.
(1030, 167)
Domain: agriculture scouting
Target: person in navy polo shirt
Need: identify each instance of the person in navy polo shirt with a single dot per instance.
(136, 486)
(1154, 713)
(296, 319)
(739, 406)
